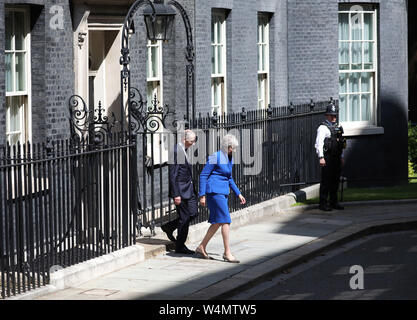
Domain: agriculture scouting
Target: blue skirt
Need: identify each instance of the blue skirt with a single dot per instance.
(219, 208)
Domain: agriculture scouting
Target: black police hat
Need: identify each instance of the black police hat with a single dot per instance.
(332, 110)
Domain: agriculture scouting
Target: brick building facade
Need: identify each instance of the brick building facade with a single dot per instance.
(304, 63)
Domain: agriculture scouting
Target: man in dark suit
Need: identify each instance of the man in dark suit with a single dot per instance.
(182, 190)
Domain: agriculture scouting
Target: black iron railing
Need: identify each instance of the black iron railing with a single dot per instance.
(275, 156)
(62, 203)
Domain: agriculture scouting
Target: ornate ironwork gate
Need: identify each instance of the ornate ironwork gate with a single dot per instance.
(149, 124)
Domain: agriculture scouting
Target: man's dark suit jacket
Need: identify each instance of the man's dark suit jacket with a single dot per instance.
(180, 175)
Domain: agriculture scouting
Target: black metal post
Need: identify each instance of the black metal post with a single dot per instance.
(125, 58)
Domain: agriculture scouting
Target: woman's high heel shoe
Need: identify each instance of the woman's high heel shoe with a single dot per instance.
(231, 261)
(202, 254)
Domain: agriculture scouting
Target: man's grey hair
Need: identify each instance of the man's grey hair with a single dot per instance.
(228, 140)
(189, 135)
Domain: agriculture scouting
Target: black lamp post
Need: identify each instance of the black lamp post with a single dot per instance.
(159, 21)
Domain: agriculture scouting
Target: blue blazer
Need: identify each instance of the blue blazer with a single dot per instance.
(216, 176)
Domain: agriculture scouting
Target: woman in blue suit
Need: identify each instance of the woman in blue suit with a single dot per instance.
(215, 183)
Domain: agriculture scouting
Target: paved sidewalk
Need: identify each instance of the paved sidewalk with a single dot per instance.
(264, 248)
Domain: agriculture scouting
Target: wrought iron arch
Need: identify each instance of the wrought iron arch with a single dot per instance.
(135, 107)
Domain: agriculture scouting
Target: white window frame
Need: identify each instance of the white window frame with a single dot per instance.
(353, 127)
(160, 153)
(263, 74)
(25, 111)
(218, 78)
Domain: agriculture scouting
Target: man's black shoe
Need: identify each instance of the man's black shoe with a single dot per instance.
(169, 233)
(184, 250)
(325, 208)
(337, 206)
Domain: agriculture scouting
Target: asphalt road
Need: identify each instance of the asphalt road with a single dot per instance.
(388, 262)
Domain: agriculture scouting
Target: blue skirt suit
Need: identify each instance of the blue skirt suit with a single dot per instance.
(215, 183)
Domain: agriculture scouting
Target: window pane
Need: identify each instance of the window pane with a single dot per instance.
(9, 29)
(365, 82)
(366, 107)
(15, 108)
(219, 59)
(259, 88)
(354, 82)
(263, 57)
(262, 33)
(149, 93)
(260, 91)
(343, 55)
(148, 63)
(152, 92)
(368, 26)
(368, 54)
(343, 82)
(14, 124)
(213, 62)
(342, 108)
(20, 72)
(356, 55)
(354, 108)
(13, 138)
(154, 60)
(343, 26)
(260, 101)
(19, 28)
(219, 33)
(215, 92)
(356, 26)
(259, 57)
(222, 96)
(212, 32)
(9, 75)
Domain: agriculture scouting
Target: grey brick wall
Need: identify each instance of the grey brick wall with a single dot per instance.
(312, 50)
(203, 55)
(278, 53)
(59, 72)
(38, 74)
(242, 71)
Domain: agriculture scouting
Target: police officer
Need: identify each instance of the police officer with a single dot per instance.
(329, 148)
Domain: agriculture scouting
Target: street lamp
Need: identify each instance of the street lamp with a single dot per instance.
(159, 23)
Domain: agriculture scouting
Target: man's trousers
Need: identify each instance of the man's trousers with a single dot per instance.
(186, 211)
(330, 178)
